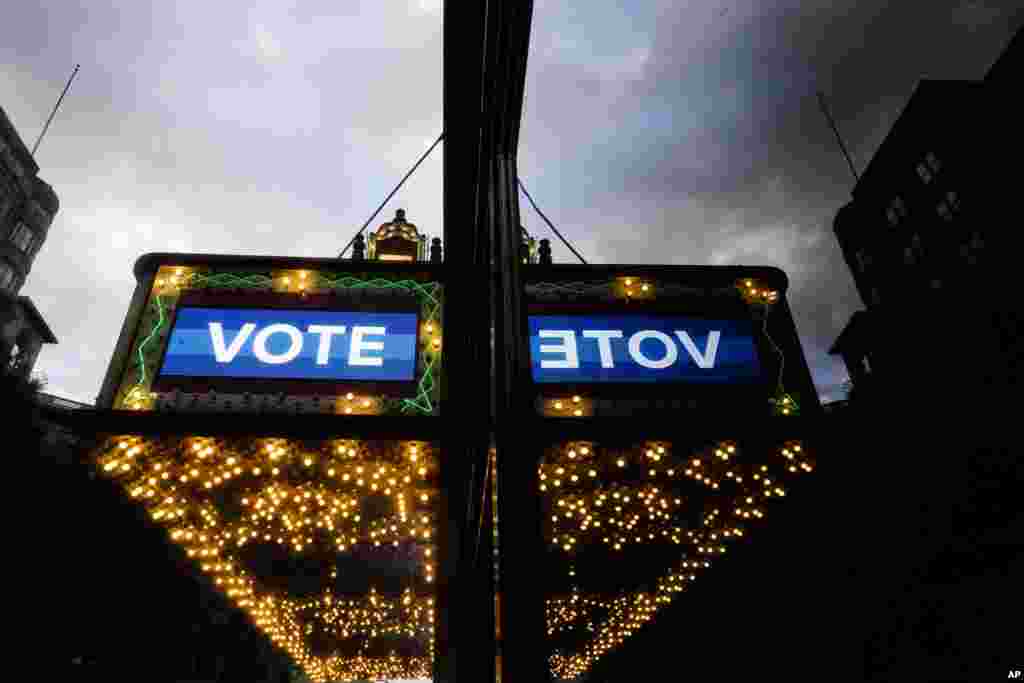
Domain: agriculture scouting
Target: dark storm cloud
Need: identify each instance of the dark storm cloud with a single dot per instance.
(695, 136)
(664, 132)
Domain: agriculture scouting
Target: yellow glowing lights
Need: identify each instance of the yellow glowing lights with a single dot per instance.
(297, 514)
(617, 511)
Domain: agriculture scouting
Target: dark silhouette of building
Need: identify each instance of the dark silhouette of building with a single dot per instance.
(926, 237)
(27, 207)
(96, 590)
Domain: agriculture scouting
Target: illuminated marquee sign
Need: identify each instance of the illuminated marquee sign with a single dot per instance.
(642, 349)
(272, 344)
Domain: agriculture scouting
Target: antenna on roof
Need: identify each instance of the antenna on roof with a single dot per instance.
(839, 139)
(55, 108)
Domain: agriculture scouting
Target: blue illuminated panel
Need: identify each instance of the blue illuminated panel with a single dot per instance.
(292, 344)
(642, 349)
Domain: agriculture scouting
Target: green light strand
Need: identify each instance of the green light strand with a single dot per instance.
(228, 280)
(584, 288)
(779, 388)
(782, 359)
(424, 391)
(142, 346)
(428, 302)
(426, 290)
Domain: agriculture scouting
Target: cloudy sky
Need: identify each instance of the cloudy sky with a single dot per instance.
(681, 131)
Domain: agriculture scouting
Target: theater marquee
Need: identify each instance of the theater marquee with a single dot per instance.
(645, 341)
(211, 332)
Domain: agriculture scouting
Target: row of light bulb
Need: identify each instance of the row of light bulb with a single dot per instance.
(317, 500)
(635, 514)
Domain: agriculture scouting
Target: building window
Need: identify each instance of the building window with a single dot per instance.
(948, 207)
(924, 173)
(896, 212)
(968, 255)
(971, 251)
(21, 237)
(863, 260)
(933, 162)
(7, 277)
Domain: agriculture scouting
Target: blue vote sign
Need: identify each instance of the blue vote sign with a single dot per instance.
(292, 344)
(642, 349)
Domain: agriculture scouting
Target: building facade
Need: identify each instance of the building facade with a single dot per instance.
(27, 208)
(926, 238)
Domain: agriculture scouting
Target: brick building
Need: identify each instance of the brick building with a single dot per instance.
(926, 238)
(27, 207)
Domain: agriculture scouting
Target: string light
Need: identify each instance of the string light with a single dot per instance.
(600, 501)
(301, 507)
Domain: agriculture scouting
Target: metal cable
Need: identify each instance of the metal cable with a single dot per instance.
(550, 224)
(392, 194)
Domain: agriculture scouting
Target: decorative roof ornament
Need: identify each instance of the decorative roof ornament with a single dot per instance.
(398, 240)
